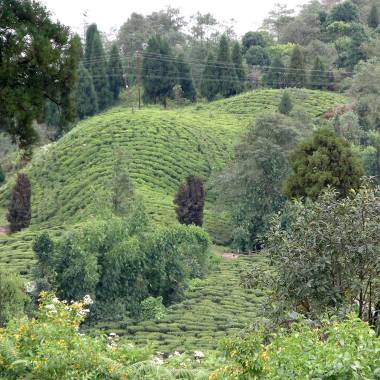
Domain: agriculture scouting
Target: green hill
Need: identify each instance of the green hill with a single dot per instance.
(70, 178)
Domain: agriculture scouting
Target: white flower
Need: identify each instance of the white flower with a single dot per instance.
(158, 360)
(55, 300)
(51, 308)
(199, 355)
(87, 300)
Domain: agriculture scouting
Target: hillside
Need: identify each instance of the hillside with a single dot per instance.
(70, 177)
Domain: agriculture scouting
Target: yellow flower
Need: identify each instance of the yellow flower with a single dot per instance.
(264, 355)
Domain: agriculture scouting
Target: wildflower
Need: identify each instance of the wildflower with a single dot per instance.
(87, 300)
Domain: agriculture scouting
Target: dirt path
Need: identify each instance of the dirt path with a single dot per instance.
(228, 255)
(4, 231)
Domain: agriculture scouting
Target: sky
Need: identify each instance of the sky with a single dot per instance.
(113, 13)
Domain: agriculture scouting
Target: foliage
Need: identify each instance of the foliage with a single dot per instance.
(257, 56)
(158, 76)
(38, 61)
(285, 106)
(152, 308)
(318, 76)
(2, 175)
(19, 211)
(12, 297)
(346, 11)
(190, 201)
(237, 60)
(323, 159)
(339, 350)
(184, 78)
(115, 73)
(276, 75)
(253, 39)
(86, 98)
(373, 17)
(327, 257)
(209, 85)
(296, 76)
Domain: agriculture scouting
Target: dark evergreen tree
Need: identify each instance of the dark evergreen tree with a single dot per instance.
(253, 39)
(286, 105)
(184, 78)
(86, 99)
(115, 73)
(276, 76)
(237, 61)
(257, 56)
(373, 17)
(318, 75)
(2, 175)
(190, 200)
(227, 80)
(95, 62)
(209, 84)
(330, 81)
(19, 211)
(158, 75)
(322, 160)
(346, 11)
(296, 76)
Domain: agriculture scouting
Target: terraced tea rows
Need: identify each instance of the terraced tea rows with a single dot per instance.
(70, 178)
(213, 308)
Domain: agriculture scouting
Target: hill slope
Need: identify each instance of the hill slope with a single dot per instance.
(70, 178)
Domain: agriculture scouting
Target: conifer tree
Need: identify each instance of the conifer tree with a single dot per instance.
(330, 81)
(86, 99)
(158, 75)
(190, 200)
(115, 73)
(2, 175)
(19, 211)
(373, 17)
(209, 84)
(237, 61)
(276, 76)
(227, 80)
(285, 106)
(318, 75)
(95, 62)
(184, 78)
(296, 71)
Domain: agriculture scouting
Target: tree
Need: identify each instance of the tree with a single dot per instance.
(227, 80)
(346, 11)
(158, 71)
(276, 75)
(237, 61)
(278, 19)
(19, 211)
(86, 98)
(95, 62)
(285, 105)
(253, 39)
(38, 61)
(190, 200)
(318, 76)
(209, 85)
(2, 175)
(373, 17)
(115, 73)
(184, 78)
(257, 56)
(322, 160)
(296, 76)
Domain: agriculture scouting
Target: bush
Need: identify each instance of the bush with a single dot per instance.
(152, 308)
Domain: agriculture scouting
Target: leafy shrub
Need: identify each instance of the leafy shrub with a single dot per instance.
(152, 308)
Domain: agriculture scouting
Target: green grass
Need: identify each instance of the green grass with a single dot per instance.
(70, 178)
(214, 308)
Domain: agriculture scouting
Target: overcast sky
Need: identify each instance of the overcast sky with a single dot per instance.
(113, 13)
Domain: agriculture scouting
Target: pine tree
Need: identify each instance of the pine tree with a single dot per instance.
(115, 73)
(227, 80)
(19, 211)
(95, 62)
(2, 175)
(184, 79)
(237, 61)
(158, 75)
(331, 81)
(318, 76)
(296, 71)
(373, 17)
(190, 200)
(322, 160)
(276, 76)
(209, 84)
(286, 105)
(86, 99)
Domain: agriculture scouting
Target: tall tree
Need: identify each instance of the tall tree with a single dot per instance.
(318, 75)
(190, 200)
(373, 17)
(19, 211)
(209, 84)
(285, 105)
(296, 76)
(158, 71)
(237, 61)
(96, 64)
(184, 78)
(276, 76)
(38, 61)
(86, 99)
(227, 80)
(115, 73)
(322, 160)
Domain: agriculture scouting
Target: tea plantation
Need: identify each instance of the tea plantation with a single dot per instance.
(70, 178)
